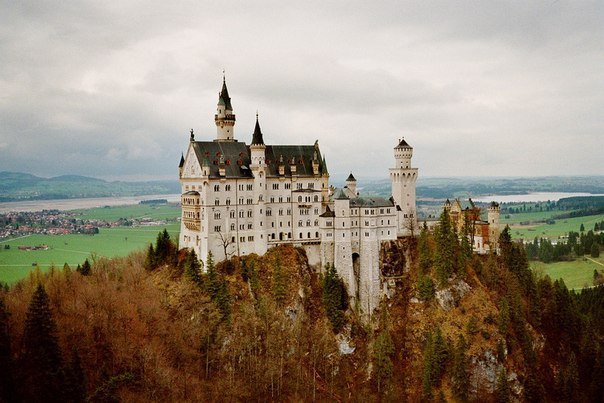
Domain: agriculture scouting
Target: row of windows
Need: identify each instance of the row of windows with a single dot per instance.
(250, 186)
(282, 236)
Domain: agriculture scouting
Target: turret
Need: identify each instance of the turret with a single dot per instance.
(351, 184)
(493, 219)
(224, 118)
(257, 147)
(402, 154)
(181, 165)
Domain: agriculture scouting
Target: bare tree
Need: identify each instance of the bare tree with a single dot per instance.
(226, 239)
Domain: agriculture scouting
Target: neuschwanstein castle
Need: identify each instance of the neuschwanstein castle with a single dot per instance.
(239, 199)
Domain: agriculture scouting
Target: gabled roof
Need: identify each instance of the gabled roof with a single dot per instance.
(328, 213)
(341, 195)
(301, 155)
(350, 178)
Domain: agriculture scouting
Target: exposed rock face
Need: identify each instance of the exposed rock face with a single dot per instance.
(484, 372)
(448, 297)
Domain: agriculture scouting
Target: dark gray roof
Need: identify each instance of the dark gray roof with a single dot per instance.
(370, 202)
(341, 195)
(350, 178)
(328, 213)
(224, 96)
(182, 161)
(257, 136)
(403, 144)
(236, 157)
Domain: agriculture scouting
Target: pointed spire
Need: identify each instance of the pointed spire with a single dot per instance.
(224, 95)
(341, 195)
(257, 136)
(324, 167)
(182, 160)
(351, 178)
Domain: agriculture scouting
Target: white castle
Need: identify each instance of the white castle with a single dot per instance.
(239, 199)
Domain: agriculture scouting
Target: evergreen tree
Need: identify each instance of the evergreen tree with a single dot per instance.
(335, 298)
(424, 250)
(164, 248)
(41, 364)
(383, 348)
(150, 259)
(7, 391)
(75, 383)
(446, 259)
(595, 250)
(460, 378)
(193, 267)
(85, 269)
(502, 391)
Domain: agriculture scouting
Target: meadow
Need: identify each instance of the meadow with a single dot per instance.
(73, 249)
(552, 231)
(576, 274)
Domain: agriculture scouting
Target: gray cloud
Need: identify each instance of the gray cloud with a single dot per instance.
(478, 88)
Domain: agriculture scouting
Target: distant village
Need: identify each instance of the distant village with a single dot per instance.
(56, 222)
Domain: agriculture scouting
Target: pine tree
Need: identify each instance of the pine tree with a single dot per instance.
(424, 250)
(7, 391)
(446, 257)
(75, 383)
(335, 299)
(383, 348)
(502, 391)
(193, 267)
(150, 259)
(85, 270)
(460, 378)
(41, 364)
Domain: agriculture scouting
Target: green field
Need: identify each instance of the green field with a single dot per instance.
(576, 274)
(73, 249)
(551, 231)
(167, 212)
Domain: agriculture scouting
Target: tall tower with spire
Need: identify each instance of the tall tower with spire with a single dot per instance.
(403, 178)
(224, 118)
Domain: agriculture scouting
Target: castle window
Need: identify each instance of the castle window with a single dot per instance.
(272, 236)
(217, 228)
(289, 211)
(280, 199)
(240, 187)
(316, 198)
(232, 214)
(289, 199)
(216, 202)
(299, 199)
(241, 214)
(316, 211)
(300, 223)
(308, 235)
(316, 234)
(405, 215)
(272, 225)
(298, 186)
(272, 199)
(249, 226)
(280, 211)
(241, 239)
(288, 186)
(250, 201)
(250, 187)
(300, 237)
(227, 188)
(308, 223)
(328, 223)
(311, 185)
(249, 213)
(241, 200)
(316, 223)
(228, 202)
(381, 211)
(233, 239)
(275, 186)
(232, 227)
(269, 212)
(217, 215)
(216, 188)
(250, 238)
(388, 211)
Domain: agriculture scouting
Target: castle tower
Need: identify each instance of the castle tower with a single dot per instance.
(224, 118)
(343, 246)
(493, 219)
(403, 179)
(258, 168)
(351, 185)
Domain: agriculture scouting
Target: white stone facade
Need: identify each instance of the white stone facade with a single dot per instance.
(239, 199)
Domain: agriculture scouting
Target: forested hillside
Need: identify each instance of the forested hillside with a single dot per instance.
(152, 327)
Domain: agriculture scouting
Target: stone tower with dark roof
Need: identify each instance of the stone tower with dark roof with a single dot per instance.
(224, 118)
(403, 178)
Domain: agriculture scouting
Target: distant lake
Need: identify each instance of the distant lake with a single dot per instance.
(530, 197)
(74, 204)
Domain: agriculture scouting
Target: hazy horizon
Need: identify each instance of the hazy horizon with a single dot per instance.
(108, 90)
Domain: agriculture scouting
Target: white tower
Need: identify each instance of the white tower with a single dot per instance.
(493, 218)
(403, 179)
(258, 167)
(224, 118)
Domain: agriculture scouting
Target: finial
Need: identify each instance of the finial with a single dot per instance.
(192, 135)
(256, 114)
(223, 76)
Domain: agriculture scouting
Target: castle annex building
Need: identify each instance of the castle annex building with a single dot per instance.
(239, 199)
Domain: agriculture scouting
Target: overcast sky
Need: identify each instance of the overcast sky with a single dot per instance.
(489, 88)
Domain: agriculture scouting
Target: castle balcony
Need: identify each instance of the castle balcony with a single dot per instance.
(229, 116)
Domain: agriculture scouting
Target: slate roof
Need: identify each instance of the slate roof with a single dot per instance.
(370, 202)
(257, 136)
(224, 96)
(351, 178)
(403, 144)
(236, 157)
